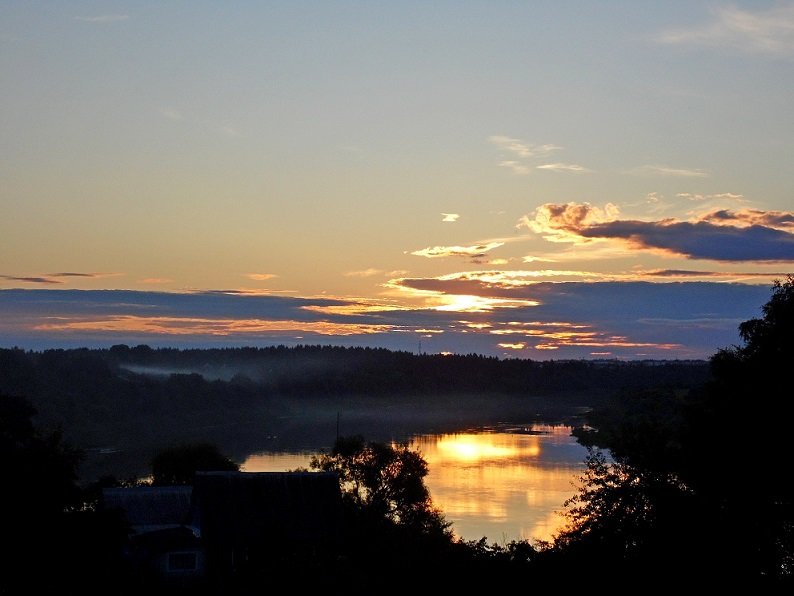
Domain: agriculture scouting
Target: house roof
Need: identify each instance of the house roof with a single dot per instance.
(250, 507)
(151, 508)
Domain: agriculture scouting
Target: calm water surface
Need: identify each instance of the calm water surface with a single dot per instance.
(502, 482)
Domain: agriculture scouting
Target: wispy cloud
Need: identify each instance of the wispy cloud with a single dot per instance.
(474, 251)
(55, 278)
(31, 279)
(662, 170)
(364, 272)
(563, 167)
(515, 166)
(74, 274)
(155, 280)
(521, 148)
(450, 217)
(103, 18)
(229, 131)
(722, 196)
(769, 31)
(745, 235)
(171, 113)
(177, 115)
(260, 276)
(522, 157)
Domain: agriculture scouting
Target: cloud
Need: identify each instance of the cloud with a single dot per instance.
(171, 113)
(523, 157)
(769, 31)
(229, 131)
(563, 222)
(72, 274)
(521, 148)
(364, 273)
(450, 217)
(749, 217)
(32, 280)
(516, 167)
(624, 317)
(212, 327)
(53, 278)
(155, 280)
(688, 273)
(104, 18)
(260, 276)
(516, 346)
(475, 251)
(746, 235)
(559, 319)
(702, 240)
(563, 167)
(660, 170)
(723, 196)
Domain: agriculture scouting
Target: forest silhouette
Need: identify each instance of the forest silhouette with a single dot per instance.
(686, 481)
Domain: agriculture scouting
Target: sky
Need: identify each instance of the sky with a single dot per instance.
(539, 180)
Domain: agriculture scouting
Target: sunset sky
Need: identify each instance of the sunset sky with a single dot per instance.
(520, 179)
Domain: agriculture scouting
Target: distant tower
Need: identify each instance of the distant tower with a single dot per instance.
(420, 347)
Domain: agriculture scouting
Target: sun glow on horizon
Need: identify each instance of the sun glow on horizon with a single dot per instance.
(471, 303)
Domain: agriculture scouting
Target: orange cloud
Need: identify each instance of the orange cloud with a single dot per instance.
(215, 327)
(364, 272)
(744, 235)
(474, 251)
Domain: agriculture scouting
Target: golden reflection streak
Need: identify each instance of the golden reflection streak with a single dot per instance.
(482, 481)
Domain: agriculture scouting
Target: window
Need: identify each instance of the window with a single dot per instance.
(182, 561)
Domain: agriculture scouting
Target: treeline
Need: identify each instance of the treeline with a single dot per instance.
(328, 370)
(96, 392)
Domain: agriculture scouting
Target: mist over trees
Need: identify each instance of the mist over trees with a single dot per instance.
(137, 400)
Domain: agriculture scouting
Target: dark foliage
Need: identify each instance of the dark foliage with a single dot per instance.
(699, 487)
(49, 540)
(384, 482)
(178, 465)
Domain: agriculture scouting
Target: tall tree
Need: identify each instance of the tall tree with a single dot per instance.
(386, 481)
(700, 479)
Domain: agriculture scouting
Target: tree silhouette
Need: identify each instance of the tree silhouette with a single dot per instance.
(178, 465)
(385, 481)
(39, 488)
(699, 484)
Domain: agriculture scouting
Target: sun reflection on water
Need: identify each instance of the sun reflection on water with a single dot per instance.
(500, 483)
(504, 484)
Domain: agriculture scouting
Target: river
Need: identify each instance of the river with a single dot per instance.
(502, 482)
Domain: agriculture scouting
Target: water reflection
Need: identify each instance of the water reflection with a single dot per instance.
(503, 483)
